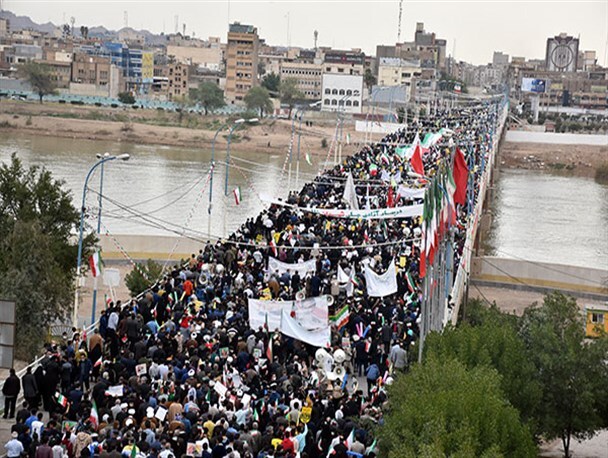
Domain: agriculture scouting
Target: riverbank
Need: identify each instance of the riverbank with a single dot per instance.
(576, 160)
(156, 127)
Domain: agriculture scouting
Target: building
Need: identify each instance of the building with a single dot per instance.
(309, 77)
(241, 61)
(393, 71)
(342, 92)
(344, 62)
(596, 322)
(209, 57)
(170, 81)
(562, 53)
(93, 70)
(500, 59)
(5, 28)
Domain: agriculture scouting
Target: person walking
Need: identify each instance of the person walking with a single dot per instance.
(30, 389)
(10, 390)
(13, 447)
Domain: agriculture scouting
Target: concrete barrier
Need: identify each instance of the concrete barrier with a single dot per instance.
(554, 138)
(527, 275)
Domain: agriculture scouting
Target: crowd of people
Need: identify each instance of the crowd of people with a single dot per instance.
(179, 371)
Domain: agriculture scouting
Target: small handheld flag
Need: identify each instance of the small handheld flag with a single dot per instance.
(237, 195)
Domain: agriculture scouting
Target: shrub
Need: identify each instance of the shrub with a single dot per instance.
(601, 173)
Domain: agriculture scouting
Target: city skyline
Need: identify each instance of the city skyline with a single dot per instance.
(522, 30)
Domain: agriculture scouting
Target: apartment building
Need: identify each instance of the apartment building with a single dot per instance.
(241, 61)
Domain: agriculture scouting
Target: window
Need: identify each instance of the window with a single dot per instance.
(597, 318)
(334, 102)
(326, 102)
(341, 91)
(348, 103)
(356, 103)
(340, 70)
(349, 92)
(334, 91)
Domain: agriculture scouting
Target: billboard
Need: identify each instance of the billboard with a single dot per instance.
(535, 85)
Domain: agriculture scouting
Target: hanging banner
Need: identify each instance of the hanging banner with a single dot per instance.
(274, 265)
(312, 313)
(379, 213)
(292, 327)
(381, 285)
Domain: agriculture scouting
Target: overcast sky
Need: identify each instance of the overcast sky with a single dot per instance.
(476, 28)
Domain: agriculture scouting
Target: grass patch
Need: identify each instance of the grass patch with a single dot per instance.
(601, 173)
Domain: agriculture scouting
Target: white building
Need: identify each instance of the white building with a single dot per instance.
(342, 92)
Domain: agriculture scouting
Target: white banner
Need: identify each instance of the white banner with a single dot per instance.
(379, 213)
(410, 193)
(274, 265)
(293, 327)
(381, 285)
(311, 312)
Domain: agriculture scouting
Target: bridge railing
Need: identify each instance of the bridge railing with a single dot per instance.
(464, 267)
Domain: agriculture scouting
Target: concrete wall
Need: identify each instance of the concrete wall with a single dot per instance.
(553, 138)
(142, 247)
(540, 275)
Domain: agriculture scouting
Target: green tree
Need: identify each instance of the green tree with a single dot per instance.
(181, 106)
(37, 249)
(573, 373)
(369, 79)
(290, 92)
(209, 95)
(126, 98)
(257, 98)
(441, 408)
(140, 279)
(491, 340)
(39, 77)
(272, 82)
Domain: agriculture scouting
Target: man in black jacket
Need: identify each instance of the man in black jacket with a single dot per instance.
(10, 390)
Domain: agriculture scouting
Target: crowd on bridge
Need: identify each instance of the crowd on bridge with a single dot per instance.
(181, 371)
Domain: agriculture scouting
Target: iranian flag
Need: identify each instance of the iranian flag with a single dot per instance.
(411, 284)
(350, 440)
(237, 195)
(431, 227)
(416, 161)
(61, 399)
(341, 317)
(94, 417)
(273, 246)
(308, 159)
(450, 187)
(95, 264)
(461, 177)
(269, 349)
(425, 216)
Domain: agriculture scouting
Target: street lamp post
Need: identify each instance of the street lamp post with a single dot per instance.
(235, 125)
(99, 156)
(103, 160)
(211, 178)
(301, 111)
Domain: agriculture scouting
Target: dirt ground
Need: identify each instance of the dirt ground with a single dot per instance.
(580, 160)
(141, 126)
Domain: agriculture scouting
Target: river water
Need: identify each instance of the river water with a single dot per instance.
(539, 217)
(169, 184)
(550, 218)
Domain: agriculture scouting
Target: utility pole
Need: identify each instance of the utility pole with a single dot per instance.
(399, 25)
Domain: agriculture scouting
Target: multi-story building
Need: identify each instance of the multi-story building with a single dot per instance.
(562, 53)
(91, 70)
(5, 27)
(342, 92)
(170, 81)
(241, 61)
(307, 75)
(344, 62)
(209, 56)
(393, 71)
(500, 59)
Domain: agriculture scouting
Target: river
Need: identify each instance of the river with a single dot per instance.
(538, 217)
(166, 183)
(550, 218)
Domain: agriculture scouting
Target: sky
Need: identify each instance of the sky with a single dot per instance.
(474, 29)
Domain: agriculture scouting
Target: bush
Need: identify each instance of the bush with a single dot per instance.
(126, 98)
(601, 173)
(142, 277)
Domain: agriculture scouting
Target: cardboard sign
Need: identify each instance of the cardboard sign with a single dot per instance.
(161, 413)
(257, 352)
(224, 352)
(141, 369)
(221, 389)
(115, 391)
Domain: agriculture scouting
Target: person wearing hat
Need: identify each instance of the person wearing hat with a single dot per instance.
(13, 447)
